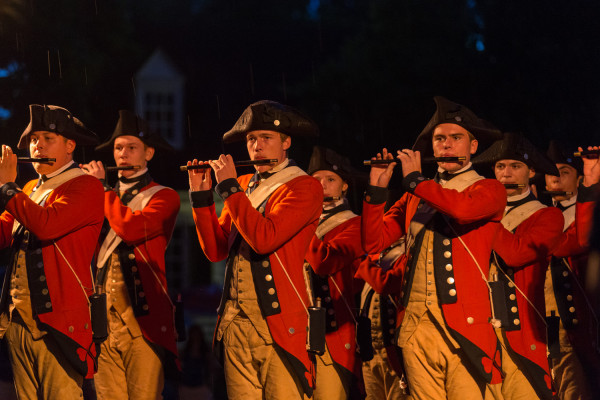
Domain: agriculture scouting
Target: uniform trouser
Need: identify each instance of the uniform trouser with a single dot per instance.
(381, 381)
(435, 369)
(128, 367)
(330, 383)
(40, 369)
(515, 385)
(255, 369)
(570, 379)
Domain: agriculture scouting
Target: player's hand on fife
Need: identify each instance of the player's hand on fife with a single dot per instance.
(411, 161)
(591, 166)
(199, 179)
(381, 174)
(94, 168)
(224, 168)
(8, 165)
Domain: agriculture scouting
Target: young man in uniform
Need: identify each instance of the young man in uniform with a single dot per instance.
(572, 325)
(264, 230)
(141, 216)
(332, 258)
(52, 226)
(518, 266)
(447, 341)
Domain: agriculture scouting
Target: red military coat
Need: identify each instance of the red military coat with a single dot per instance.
(337, 256)
(149, 231)
(72, 218)
(290, 218)
(526, 254)
(474, 214)
(581, 326)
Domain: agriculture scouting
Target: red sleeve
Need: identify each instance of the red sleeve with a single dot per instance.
(328, 256)
(6, 225)
(483, 200)
(386, 282)
(379, 231)
(584, 218)
(568, 245)
(535, 238)
(139, 226)
(290, 208)
(67, 212)
(213, 232)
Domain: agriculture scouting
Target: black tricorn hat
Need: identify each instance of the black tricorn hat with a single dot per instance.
(58, 120)
(325, 159)
(448, 112)
(556, 152)
(516, 147)
(129, 124)
(271, 116)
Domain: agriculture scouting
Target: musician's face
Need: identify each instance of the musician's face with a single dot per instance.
(130, 150)
(333, 184)
(44, 144)
(567, 182)
(515, 172)
(451, 140)
(267, 145)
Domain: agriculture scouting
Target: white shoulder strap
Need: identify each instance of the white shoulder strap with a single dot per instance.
(112, 240)
(520, 214)
(333, 222)
(269, 185)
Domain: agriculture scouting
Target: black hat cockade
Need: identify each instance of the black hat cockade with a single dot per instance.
(556, 152)
(448, 112)
(271, 116)
(129, 124)
(516, 147)
(48, 118)
(324, 159)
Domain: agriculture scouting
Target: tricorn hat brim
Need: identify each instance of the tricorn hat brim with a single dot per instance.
(448, 112)
(59, 120)
(556, 152)
(271, 116)
(129, 124)
(516, 147)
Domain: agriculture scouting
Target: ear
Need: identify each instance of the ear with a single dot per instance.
(287, 143)
(474, 145)
(149, 153)
(71, 146)
(531, 173)
(344, 188)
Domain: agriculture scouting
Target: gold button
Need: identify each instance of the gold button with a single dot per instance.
(450, 280)
(517, 322)
(48, 304)
(42, 278)
(347, 346)
(533, 347)
(448, 267)
(513, 309)
(131, 256)
(85, 326)
(452, 292)
(274, 304)
(134, 191)
(71, 329)
(569, 297)
(134, 269)
(512, 297)
(470, 320)
(327, 299)
(44, 291)
(264, 264)
(511, 285)
(575, 321)
(446, 242)
(429, 282)
(572, 309)
(324, 287)
(138, 282)
(565, 273)
(392, 331)
(261, 210)
(141, 294)
(271, 291)
(333, 323)
(268, 278)
(447, 254)
(291, 331)
(145, 306)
